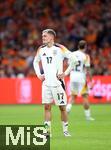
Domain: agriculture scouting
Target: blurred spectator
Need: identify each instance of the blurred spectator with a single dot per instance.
(23, 20)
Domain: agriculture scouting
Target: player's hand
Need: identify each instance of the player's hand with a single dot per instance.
(41, 77)
(61, 76)
(91, 85)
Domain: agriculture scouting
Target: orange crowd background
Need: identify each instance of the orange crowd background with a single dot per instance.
(22, 21)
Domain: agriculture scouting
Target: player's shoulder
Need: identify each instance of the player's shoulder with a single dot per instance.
(87, 56)
(73, 55)
(80, 53)
(76, 53)
(62, 47)
(58, 45)
(40, 48)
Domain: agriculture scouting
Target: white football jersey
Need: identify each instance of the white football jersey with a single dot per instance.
(78, 73)
(52, 62)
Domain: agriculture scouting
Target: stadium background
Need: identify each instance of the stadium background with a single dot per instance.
(21, 23)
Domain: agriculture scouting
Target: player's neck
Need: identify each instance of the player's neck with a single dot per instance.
(50, 44)
(82, 50)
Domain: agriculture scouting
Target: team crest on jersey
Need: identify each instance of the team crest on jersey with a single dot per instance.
(54, 52)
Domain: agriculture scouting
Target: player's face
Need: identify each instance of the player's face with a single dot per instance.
(46, 38)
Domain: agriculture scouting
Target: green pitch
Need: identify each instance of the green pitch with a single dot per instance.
(95, 135)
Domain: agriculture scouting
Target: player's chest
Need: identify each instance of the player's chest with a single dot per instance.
(50, 56)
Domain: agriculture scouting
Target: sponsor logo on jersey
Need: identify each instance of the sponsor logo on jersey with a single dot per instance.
(62, 102)
(44, 54)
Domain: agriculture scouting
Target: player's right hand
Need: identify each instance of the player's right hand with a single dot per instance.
(41, 77)
(91, 84)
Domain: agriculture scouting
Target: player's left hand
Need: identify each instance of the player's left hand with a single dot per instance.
(61, 76)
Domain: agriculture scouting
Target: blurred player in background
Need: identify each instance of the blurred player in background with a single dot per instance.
(51, 56)
(79, 76)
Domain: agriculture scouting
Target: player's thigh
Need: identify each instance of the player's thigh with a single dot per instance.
(84, 89)
(59, 96)
(47, 96)
(74, 87)
(78, 88)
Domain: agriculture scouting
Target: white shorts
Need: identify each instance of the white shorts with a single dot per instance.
(78, 88)
(56, 94)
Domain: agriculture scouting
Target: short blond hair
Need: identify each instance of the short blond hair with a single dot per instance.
(50, 31)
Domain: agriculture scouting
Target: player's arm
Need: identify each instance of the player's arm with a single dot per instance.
(72, 63)
(88, 71)
(67, 71)
(89, 77)
(36, 66)
(65, 52)
(69, 68)
(72, 60)
(88, 74)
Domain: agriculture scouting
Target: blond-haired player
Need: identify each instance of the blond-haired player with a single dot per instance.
(51, 56)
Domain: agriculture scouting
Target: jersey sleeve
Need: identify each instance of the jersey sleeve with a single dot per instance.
(65, 52)
(36, 63)
(87, 61)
